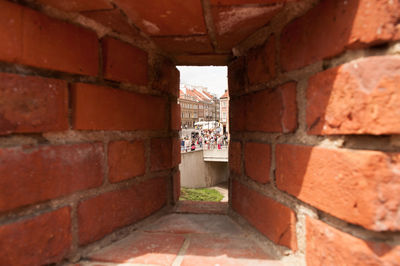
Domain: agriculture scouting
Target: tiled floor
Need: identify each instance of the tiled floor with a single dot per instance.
(184, 239)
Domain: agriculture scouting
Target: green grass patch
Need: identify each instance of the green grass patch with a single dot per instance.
(200, 194)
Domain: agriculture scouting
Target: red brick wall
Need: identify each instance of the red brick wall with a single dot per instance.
(314, 153)
(88, 129)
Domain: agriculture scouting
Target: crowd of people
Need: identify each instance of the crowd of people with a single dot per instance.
(204, 139)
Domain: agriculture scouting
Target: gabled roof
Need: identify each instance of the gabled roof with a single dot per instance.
(197, 93)
(225, 95)
(202, 96)
(208, 95)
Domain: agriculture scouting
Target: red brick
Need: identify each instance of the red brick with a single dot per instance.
(329, 246)
(184, 44)
(125, 160)
(107, 212)
(142, 248)
(166, 17)
(235, 157)
(246, 2)
(31, 175)
(103, 108)
(165, 153)
(176, 180)
(361, 97)
(43, 239)
(357, 186)
(263, 111)
(272, 111)
(257, 161)
(257, 210)
(237, 116)
(10, 31)
(123, 62)
(261, 63)
(203, 59)
(78, 5)
(57, 45)
(289, 114)
(32, 104)
(113, 19)
(167, 78)
(235, 23)
(175, 116)
(176, 151)
(236, 79)
(333, 26)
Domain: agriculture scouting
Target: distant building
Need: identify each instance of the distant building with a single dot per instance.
(224, 107)
(197, 104)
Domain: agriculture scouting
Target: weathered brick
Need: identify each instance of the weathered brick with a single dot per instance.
(261, 62)
(125, 160)
(333, 26)
(329, 246)
(57, 45)
(176, 180)
(176, 151)
(246, 2)
(289, 103)
(235, 23)
(184, 44)
(32, 104)
(360, 97)
(124, 62)
(175, 116)
(103, 108)
(203, 59)
(357, 186)
(107, 212)
(78, 5)
(235, 157)
(236, 79)
(167, 78)
(237, 114)
(10, 31)
(257, 209)
(113, 19)
(272, 111)
(31, 175)
(43, 239)
(178, 17)
(257, 161)
(165, 153)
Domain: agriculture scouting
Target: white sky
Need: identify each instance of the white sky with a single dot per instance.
(212, 77)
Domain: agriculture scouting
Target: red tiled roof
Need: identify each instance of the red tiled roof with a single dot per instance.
(200, 95)
(208, 95)
(191, 93)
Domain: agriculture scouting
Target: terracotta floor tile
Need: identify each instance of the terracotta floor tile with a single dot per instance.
(144, 248)
(210, 240)
(211, 250)
(195, 224)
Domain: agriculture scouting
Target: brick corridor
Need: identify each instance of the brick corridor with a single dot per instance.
(184, 239)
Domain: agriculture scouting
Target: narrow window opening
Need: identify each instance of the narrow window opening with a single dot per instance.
(204, 137)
